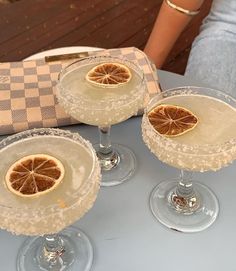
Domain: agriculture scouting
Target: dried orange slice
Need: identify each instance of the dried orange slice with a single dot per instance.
(34, 175)
(172, 120)
(109, 74)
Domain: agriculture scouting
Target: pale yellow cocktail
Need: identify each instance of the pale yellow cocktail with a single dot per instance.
(194, 149)
(99, 105)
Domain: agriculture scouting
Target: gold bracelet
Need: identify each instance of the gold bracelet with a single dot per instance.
(182, 10)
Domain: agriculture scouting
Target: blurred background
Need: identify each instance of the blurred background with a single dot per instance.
(31, 26)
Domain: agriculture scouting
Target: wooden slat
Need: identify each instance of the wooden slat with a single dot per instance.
(99, 21)
(39, 36)
(141, 36)
(28, 14)
(122, 27)
(84, 24)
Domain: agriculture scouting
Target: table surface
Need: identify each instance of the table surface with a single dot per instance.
(124, 233)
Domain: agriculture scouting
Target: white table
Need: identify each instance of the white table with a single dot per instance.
(125, 235)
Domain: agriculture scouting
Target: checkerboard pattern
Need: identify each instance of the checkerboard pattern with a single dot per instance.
(28, 93)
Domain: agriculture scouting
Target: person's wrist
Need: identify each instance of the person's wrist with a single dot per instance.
(181, 9)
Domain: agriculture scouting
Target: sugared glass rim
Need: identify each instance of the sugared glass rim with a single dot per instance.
(101, 59)
(40, 132)
(196, 149)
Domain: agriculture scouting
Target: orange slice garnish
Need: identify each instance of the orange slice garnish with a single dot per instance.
(171, 120)
(34, 175)
(109, 75)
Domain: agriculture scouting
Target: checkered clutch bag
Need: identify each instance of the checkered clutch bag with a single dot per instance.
(28, 92)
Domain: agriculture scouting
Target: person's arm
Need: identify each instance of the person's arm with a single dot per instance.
(168, 26)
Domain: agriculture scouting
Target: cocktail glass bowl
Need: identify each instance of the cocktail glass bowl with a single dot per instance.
(181, 204)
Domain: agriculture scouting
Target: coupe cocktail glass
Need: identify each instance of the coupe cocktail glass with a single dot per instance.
(48, 214)
(181, 204)
(103, 107)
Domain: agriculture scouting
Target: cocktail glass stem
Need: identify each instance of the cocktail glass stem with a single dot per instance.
(108, 158)
(118, 162)
(53, 249)
(184, 198)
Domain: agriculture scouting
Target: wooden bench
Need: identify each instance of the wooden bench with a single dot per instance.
(30, 26)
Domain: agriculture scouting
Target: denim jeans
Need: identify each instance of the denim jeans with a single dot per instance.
(212, 59)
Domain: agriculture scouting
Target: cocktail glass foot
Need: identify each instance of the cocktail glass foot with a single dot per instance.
(184, 206)
(69, 250)
(117, 166)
